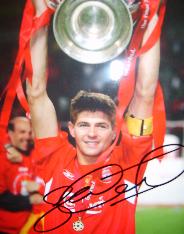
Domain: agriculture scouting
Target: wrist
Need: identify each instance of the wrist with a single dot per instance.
(42, 20)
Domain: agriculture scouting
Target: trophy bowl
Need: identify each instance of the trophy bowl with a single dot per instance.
(92, 31)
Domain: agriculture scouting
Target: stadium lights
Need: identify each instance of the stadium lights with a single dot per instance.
(116, 69)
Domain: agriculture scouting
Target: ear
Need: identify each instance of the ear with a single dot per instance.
(10, 134)
(71, 129)
(114, 136)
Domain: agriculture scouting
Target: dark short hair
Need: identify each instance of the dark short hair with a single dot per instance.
(91, 101)
(11, 126)
(12, 123)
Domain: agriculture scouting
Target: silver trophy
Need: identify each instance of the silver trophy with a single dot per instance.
(92, 31)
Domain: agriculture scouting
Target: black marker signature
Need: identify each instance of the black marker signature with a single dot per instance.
(117, 188)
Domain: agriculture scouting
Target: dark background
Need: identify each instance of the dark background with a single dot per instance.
(67, 76)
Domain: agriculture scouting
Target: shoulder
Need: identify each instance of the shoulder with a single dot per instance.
(51, 143)
(57, 147)
(131, 149)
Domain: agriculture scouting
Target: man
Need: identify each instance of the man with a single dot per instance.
(85, 183)
(19, 187)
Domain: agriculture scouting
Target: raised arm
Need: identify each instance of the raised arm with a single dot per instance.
(141, 105)
(43, 113)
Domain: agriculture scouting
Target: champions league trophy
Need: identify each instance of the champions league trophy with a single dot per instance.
(93, 31)
(89, 31)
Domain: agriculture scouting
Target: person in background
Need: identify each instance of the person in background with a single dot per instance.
(20, 189)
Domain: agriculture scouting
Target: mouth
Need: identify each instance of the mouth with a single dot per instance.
(24, 142)
(91, 143)
(25, 147)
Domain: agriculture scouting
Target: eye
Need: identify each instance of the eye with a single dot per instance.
(103, 125)
(83, 124)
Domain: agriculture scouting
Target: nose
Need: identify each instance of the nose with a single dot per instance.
(92, 132)
(27, 136)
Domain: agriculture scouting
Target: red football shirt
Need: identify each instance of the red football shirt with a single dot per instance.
(13, 177)
(107, 205)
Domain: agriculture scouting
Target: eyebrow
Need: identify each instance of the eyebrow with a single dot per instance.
(98, 123)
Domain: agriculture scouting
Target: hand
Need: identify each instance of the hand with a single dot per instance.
(53, 3)
(36, 199)
(32, 186)
(13, 155)
(41, 5)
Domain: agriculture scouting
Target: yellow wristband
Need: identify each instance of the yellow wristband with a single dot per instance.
(139, 127)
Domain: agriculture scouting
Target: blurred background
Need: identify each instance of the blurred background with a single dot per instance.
(163, 206)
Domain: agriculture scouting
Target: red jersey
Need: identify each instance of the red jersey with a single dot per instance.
(102, 196)
(13, 178)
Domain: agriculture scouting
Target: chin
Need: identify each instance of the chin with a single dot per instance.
(24, 148)
(92, 154)
(25, 151)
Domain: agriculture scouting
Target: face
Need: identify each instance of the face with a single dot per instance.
(22, 134)
(93, 134)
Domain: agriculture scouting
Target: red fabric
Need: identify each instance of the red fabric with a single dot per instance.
(14, 87)
(30, 25)
(57, 165)
(11, 177)
(10, 89)
(127, 83)
(156, 32)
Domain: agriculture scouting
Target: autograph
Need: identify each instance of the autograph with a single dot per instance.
(116, 188)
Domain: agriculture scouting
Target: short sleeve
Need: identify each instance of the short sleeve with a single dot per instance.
(49, 153)
(136, 152)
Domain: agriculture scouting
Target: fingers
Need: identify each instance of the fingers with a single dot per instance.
(14, 159)
(36, 199)
(13, 155)
(40, 6)
(32, 186)
(53, 4)
(58, 1)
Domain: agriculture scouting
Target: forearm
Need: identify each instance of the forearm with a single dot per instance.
(41, 108)
(142, 102)
(39, 52)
